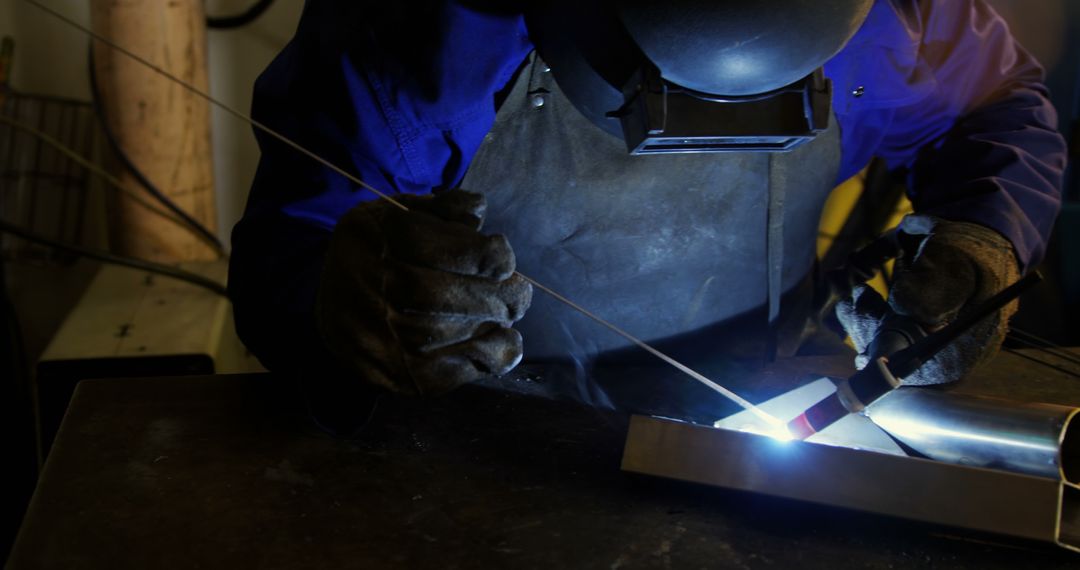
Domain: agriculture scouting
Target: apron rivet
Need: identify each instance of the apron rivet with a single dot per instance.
(537, 101)
(859, 91)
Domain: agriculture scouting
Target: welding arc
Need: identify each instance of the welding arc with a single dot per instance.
(773, 421)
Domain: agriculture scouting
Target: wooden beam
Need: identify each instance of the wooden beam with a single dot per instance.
(163, 128)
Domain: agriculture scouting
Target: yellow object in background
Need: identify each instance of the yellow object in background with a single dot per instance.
(838, 208)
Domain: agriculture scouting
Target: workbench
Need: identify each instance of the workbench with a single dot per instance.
(229, 472)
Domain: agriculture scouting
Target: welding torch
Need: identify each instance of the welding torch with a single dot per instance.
(901, 346)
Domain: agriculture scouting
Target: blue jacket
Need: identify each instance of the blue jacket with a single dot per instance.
(402, 96)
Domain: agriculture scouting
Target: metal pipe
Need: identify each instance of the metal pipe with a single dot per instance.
(978, 431)
(937, 492)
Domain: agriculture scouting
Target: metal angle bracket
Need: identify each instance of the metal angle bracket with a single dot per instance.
(980, 499)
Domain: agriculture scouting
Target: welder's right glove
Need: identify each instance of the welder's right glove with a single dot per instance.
(947, 268)
(420, 302)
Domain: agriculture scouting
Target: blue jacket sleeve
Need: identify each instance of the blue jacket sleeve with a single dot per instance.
(949, 96)
(399, 95)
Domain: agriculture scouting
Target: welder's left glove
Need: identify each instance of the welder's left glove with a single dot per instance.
(947, 268)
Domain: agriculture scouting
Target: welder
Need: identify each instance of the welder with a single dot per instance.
(662, 164)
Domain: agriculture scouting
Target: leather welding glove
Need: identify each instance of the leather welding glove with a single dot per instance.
(419, 301)
(947, 268)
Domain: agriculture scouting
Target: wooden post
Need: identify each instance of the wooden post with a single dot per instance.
(163, 128)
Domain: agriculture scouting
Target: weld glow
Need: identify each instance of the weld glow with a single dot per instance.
(781, 434)
(778, 433)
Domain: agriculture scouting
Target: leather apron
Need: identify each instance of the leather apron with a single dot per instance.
(668, 247)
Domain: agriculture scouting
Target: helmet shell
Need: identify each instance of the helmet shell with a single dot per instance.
(732, 48)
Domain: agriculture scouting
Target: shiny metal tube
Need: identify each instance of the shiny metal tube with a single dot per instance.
(977, 431)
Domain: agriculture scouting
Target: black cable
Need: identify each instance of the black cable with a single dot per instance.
(125, 160)
(1043, 346)
(1072, 373)
(1042, 341)
(239, 20)
(1033, 346)
(106, 257)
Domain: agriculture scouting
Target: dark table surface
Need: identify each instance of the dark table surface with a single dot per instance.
(227, 471)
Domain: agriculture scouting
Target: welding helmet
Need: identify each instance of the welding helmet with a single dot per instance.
(697, 75)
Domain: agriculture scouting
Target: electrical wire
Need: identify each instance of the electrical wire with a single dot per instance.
(1047, 346)
(775, 423)
(112, 181)
(239, 20)
(1043, 362)
(196, 227)
(1053, 348)
(106, 257)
